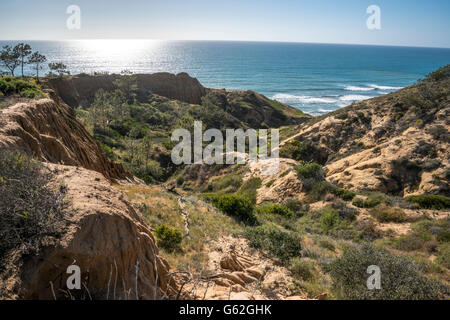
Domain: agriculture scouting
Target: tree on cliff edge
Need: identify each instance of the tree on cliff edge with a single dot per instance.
(37, 59)
(24, 50)
(10, 58)
(59, 68)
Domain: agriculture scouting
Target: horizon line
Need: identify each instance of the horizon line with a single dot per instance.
(254, 41)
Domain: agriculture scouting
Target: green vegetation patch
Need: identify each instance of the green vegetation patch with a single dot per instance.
(430, 201)
(168, 238)
(24, 87)
(282, 244)
(31, 211)
(235, 205)
(401, 279)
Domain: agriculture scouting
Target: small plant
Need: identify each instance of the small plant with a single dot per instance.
(346, 195)
(431, 201)
(31, 211)
(281, 244)
(311, 171)
(235, 205)
(302, 268)
(385, 213)
(168, 237)
(279, 209)
(327, 244)
(358, 202)
(370, 202)
(249, 189)
(329, 219)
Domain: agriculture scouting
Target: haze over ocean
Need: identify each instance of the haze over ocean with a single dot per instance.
(316, 78)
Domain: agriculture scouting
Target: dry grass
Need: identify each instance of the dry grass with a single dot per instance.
(205, 223)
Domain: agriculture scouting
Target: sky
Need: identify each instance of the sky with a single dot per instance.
(403, 22)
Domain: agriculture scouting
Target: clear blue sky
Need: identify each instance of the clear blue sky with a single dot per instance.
(403, 22)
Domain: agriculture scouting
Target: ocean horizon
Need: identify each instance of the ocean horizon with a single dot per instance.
(313, 77)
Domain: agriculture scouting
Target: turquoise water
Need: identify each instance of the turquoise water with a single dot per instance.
(316, 78)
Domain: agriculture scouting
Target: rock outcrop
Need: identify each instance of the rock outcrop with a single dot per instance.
(398, 143)
(104, 237)
(80, 90)
(48, 130)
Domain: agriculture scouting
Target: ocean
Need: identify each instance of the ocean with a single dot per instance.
(315, 78)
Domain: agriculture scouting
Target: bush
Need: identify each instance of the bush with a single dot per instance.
(31, 212)
(295, 206)
(327, 244)
(304, 151)
(235, 205)
(430, 201)
(358, 202)
(385, 213)
(370, 202)
(311, 171)
(346, 195)
(230, 183)
(279, 209)
(248, 189)
(168, 237)
(317, 190)
(400, 277)
(444, 256)
(26, 88)
(301, 268)
(329, 219)
(281, 244)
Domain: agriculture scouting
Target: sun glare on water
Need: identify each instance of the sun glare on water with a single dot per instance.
(126, 48)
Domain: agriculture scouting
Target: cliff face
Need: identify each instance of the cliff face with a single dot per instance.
(48, 130)
(104, 236)
(256, 110)
(398, 143)
(80, 90)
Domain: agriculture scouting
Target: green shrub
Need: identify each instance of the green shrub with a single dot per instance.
(346, 195)
(281, 244)
(328, 219)
(230, 183)
(444, 256)
(248, 189)
(311, 171)
(374, 200)
(317, 190)
(235, 205)
(31, 211)
(443, 236)
(430, 201)
(26, 88)
(358, 202)
(400, 277)
(385, 213)
(327, 244)
(370, 202)
(168, 237)
(305, 151)
(279, 209)
(295, 206)
(302, 268)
